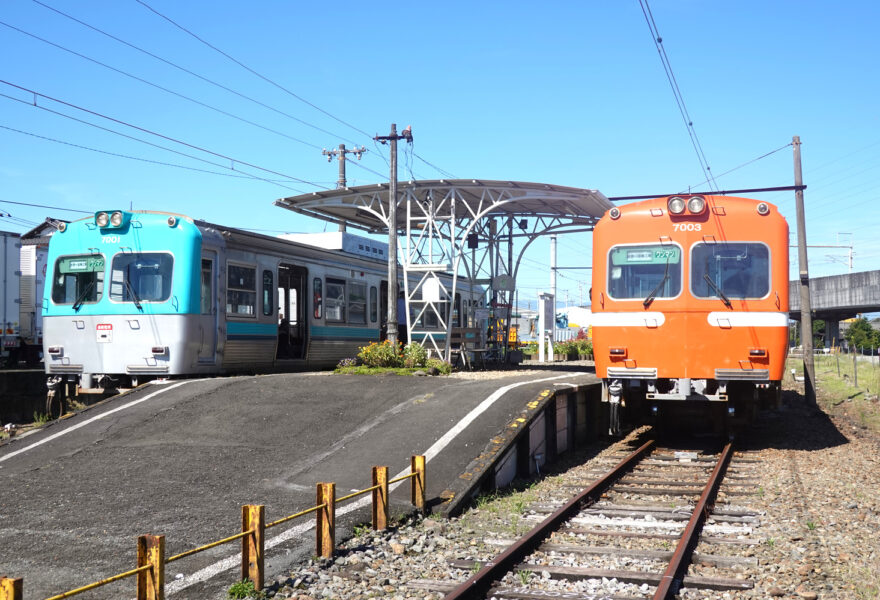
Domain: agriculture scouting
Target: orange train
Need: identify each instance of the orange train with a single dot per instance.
(690, 308)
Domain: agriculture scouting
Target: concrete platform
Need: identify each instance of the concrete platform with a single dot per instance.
(180, 459)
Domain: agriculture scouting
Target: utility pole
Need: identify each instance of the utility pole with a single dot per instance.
(806, 308)
(406, 134)
(340, 154)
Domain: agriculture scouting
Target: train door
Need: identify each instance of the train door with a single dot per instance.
(293, 325)
(208, 316)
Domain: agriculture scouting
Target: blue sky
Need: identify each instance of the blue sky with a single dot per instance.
(569, 93)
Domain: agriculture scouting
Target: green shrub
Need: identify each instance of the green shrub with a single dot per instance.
(414, 355)
(243, 589)
(441, 365)
(381, 355)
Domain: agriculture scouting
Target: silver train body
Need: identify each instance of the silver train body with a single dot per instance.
(144, 295)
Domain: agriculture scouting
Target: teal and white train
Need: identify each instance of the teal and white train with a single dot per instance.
(136, 295)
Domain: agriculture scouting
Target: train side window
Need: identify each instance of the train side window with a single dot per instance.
(241, 290)
(141, 277)
(374, 304)
(643, 271)
(335, 300)
(736, 269)
(78, 279)
(268, 286)
(206, 287)
(357, 302)
(318, 286)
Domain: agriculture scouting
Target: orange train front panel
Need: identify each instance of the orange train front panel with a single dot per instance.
(702, 294)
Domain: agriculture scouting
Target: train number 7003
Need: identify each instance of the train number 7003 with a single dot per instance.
(687, 226)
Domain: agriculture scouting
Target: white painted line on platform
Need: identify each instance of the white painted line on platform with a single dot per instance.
(55, 436)
(235, 560)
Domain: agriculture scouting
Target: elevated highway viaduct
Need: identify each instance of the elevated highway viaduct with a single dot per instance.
(836, 298)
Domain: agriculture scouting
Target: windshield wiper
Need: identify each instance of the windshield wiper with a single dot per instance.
(133, 294)
(717, 290)
(82, 296)
(647, 301)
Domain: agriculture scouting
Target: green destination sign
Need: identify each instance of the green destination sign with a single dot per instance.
(81, 264)
(646, 255)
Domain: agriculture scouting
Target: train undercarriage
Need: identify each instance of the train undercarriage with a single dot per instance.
(697, 406)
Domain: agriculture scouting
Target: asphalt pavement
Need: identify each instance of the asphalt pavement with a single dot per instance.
(181, 458)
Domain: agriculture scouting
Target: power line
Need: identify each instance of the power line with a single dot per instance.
(248, 69)
(85, 212)
(150, 132)
(745, 164)
(679, 99)
(188, 71)
(126, 156)
(162, 88)
(435, 167)
(279, 86)
(145, 142)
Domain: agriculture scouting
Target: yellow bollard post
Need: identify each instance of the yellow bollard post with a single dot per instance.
(417, 483)
(325, 525)
(253, 518)
(380, 498)
(11, 589)
(151, 552)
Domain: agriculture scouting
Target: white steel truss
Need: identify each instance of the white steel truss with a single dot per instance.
(459, 229)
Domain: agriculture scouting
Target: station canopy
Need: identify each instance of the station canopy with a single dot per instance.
(366, 207)
(458, 228)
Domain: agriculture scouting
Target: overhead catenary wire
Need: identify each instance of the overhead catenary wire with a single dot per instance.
(679, 99)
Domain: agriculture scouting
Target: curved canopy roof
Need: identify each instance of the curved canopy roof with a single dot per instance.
(366, 207)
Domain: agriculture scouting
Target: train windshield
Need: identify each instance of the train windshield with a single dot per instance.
(141, 277)
(733, 269)
(645, 272)
(78, 280)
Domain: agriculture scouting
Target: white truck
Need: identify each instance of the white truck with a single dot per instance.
(10, 303)
(34, 252)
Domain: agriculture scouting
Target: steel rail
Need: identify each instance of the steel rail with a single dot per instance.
(480, 583)
(672, 578)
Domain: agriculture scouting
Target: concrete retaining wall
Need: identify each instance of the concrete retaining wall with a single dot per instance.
(554, 423)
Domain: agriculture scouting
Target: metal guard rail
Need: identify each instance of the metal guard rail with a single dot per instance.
(151, 548)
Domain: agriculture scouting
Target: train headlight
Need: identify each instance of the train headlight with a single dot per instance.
(172, 221)
(116, 219)
(763, 208)
(614, 213)
(675, 205)
(696, 204)
(102, 219)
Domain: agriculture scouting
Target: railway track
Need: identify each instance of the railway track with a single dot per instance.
(651, 525)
